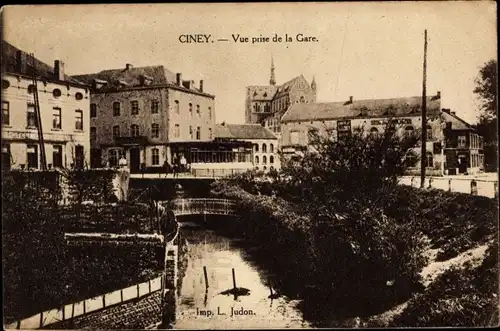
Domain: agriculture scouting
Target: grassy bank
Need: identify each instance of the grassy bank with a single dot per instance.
(361, 260)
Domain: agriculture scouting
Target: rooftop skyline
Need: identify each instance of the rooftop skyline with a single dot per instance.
(368, 51)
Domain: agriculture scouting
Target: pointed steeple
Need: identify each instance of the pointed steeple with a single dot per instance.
(313, 83)
(272, 81)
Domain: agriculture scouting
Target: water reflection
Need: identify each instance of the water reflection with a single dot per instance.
(204, 307)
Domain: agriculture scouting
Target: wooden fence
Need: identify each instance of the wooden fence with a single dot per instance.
(87, 306)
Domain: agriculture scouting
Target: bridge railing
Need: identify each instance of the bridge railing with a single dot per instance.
(202, 206)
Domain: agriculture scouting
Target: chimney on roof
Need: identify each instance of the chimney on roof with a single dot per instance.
(21, 62)
(350, 99)
(59, 69)
(223, 123)
(446, 110)
(201, 85)
(453, 113)
(438, 95)
(128, 66)
(348, 102)
(179, 79)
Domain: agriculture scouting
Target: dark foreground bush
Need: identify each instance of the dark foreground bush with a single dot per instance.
(359, 262)
(454, 222)
(41, 272)
(459, 297)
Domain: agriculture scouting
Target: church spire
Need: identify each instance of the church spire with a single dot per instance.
(313, 83)
(272, 81)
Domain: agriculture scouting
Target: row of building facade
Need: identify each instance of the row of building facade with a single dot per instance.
(291, 112)
(149, 116)
(152, 117)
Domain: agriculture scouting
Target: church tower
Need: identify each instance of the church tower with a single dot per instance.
(272, 81)
(313, 84)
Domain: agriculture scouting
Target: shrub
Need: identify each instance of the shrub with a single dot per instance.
(459, 297)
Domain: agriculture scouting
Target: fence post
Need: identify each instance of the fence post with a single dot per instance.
(63, 313)
(149, 285)
(495, 188)
(137, 290)
(84, 307)
(473, 187)
(430, 182)
(121, 295)
(449, 185)
(411, 181)
(104, 300)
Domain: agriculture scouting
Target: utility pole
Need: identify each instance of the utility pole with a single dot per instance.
(41, 142)
(423, 153)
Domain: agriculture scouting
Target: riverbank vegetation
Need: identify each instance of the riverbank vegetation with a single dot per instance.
(42, 272)
(351, 239)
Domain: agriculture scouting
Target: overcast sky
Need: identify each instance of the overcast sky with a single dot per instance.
(367, 50)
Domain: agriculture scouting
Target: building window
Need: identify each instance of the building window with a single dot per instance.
(134, 130)
(210, 133)
(5, 113)
(177, 131)
(57, 156)
(429, 160)
(93, 110)
(78, 120)
(294, 137)
(462, 141)
(56, 93)
(155, 156)
(256, 159)
(271, 159)
(409, 131)
(93, 134)
(155, 106)
(271, 148)
(256, 147)
(6, 156)
(155, 130)
(198, 133)
(32, 156)
(116, 108)
(264, 148)
(210, 112)
(429, 133)
(116, 131)
(56, 118)
(374, 131)
(198, 110)
(177, 107)
(113, 158)
(5, 84)
(191, 109)
(134, 105)
(32, 121)
(190, 132)
(78, 96)
(264, 159)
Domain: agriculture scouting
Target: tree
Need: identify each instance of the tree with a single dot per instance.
(486, 89)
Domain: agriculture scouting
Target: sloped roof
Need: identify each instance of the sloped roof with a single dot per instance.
(158, 75)
(44, 71)
(243, 131)
(360, 108)
(264, 93)
(456, 122)
(284, 88)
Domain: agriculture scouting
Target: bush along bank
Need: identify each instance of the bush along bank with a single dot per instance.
(361, 262)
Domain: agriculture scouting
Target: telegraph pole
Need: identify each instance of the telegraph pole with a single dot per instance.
(423, 153)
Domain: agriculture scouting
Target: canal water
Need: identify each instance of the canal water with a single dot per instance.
(199, 307)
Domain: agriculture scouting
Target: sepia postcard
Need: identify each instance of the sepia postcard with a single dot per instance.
(250, 165)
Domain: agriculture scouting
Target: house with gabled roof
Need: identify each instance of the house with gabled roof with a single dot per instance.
(63, 104)
(265, 104)
(148, 115)
(265, 149)
(453, 146)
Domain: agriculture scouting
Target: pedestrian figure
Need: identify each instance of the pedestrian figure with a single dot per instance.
(183, 163)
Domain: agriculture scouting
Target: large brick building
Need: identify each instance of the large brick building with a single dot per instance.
(266, 104)
(453, 146)
(64, 111)
(146, 115)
